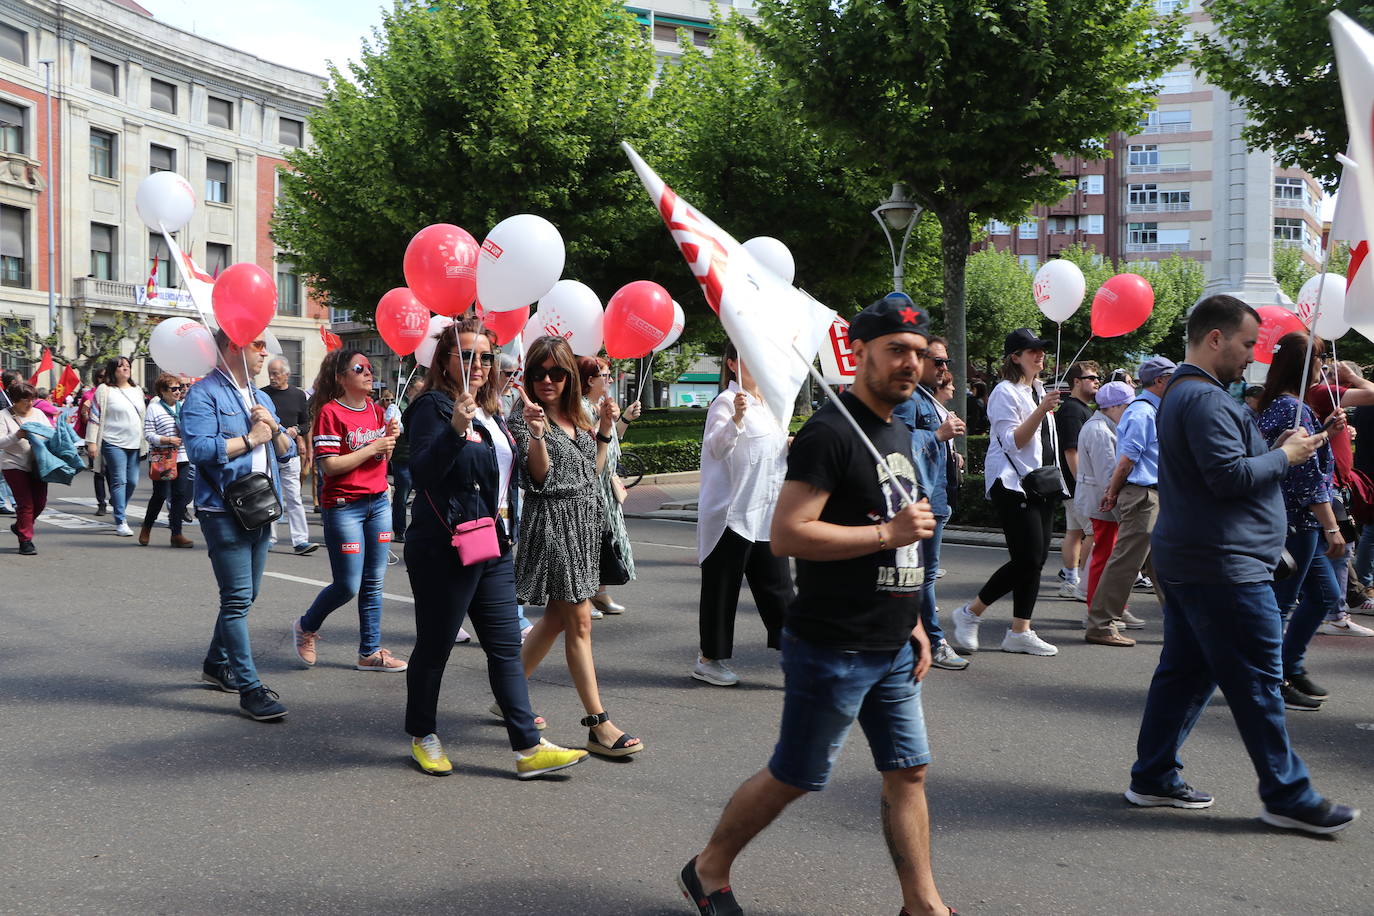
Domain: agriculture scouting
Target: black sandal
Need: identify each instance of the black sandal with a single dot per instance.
(621, 748)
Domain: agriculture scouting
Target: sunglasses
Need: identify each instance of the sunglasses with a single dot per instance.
(360, 368)
(558, 375)
(173, 387)
(486, 360)
(941, 361)
(1090, 378)
(259, 345)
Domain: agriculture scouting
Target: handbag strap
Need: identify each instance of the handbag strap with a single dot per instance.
(1053, 440)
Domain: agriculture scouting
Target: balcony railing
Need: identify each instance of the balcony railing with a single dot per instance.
(1159, 207)
(1184, 128)
(1134, 169)
(1156, 246)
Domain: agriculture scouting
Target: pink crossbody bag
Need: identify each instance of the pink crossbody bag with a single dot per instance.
(475, 541)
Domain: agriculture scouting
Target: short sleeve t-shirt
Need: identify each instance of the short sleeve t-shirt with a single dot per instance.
(1068, 421)
(291, 407)
(870, 602)
(342, 430)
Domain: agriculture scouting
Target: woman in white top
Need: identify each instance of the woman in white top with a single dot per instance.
(743, 463)
(114, 437)
(162, 429)
(16, 462)
(1022, 438)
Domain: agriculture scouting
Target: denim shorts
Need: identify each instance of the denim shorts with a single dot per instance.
(825, 690)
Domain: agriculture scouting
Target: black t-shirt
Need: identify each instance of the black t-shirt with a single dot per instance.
(871, 602)
(291, 407)
(1068, 422)
(1363, 423)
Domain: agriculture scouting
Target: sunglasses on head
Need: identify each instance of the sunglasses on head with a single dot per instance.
(558, 375)
(360, 368)
(486, 360)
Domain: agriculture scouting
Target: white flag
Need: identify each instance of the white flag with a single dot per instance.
(1355, 64)
(1347, 225)
(198, 283)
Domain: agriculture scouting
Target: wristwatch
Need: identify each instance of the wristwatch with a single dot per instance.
(606, 439)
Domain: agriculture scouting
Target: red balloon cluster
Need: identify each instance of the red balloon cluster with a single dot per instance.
(1275, 322)
(1121, 305)
(244, 299)
(441, 268)
(402, 320)
(638, 317)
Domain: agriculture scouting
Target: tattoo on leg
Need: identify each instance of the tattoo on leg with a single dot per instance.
(886, 811)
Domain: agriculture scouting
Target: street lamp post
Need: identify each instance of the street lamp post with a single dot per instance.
(49, 192)
(898, 213)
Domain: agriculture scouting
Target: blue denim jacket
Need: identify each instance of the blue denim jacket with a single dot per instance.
(212, 414)
(932, 455)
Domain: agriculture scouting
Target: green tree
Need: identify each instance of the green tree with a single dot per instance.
(1275, 58)
(999, 298)
(969, 101)
(95, 345)
(468, 112)
(1290, 270)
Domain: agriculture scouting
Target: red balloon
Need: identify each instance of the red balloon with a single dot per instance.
(402, 320)
(638, 317)
(245, 299)
(1275, 322)
(506, 324)
(441, 268)
(1121, 305)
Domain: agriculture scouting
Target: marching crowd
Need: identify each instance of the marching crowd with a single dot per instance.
(1239, 515)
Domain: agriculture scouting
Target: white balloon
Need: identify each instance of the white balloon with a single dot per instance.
(521, 260)
(572, 311)
(183, 346)
(273, 345)
(165, 200)
(424, 353)
(1059, 289)
(1331, 322)
(679, 322)
(773, 255)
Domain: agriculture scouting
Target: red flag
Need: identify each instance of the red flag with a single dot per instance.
(66, 385)
(45, 365)
(331, 340)
(150, 290)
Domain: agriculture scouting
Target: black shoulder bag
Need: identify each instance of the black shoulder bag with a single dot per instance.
(252, 499)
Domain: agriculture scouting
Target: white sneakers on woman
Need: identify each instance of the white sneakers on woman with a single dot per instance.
(1027, 643)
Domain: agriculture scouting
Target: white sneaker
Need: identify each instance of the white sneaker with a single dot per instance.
(1131, 621)
(1073, 591)
(715, 672)
(940, 573)
(1027, 643)
(596, 614)
(1143, 582)
(123, 530)
(463, 636)
(1343, 626)
(947, 658)
(1364, 607)
(965, 636)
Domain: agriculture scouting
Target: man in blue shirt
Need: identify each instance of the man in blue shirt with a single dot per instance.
(1133, 492)
(1220, 533)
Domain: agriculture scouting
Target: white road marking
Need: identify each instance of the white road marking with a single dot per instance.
(319, 584)
(652, 544)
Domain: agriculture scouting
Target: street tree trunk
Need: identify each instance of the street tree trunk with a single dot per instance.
(955, 238)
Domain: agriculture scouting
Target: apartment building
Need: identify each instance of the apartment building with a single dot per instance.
(130, 96)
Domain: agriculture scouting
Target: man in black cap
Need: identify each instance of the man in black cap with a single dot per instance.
(852, 642)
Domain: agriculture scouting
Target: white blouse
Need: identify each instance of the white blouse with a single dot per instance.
(505, 458)
(1009, 405)
(742, 470)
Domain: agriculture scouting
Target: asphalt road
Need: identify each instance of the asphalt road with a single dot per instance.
(129, 787)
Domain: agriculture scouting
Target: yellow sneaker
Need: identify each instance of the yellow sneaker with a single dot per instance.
(429, 754)
(547, 758)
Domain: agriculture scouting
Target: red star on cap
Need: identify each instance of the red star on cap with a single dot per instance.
(910, 315)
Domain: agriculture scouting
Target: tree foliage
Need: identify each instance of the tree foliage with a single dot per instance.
(999, 299)
(969, 101)
(1275, 58)
(95, 345)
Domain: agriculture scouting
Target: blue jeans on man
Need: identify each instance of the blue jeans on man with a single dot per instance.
(238, 558)
(121, 470)
(930, 559)
(1225, 635)
(1306, 597)
(358, 536)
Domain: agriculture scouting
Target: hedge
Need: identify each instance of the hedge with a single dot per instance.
(975, 510)
(667, 457)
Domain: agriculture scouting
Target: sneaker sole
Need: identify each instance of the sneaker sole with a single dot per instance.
(1037, 652)
(217, 683)
(1164, 801)
(1341, 632)
(947, 666)
(532, 774)
(262, 718)
(380, 668)
(426, 770)
(1296, 708)
(705, 678)
(307, 551)
(1288, 823)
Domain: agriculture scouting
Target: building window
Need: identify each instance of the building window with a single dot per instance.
(1292, 192)
(103, 252)
(14, 44)
(14, 247)
(701, 37)
(1165, 7)
(1148, 157)
(1176, 81)
(290, 132)
(997, 227)
(163, 96)
(1167, 122)
(1028, 261)
(16, 361)
(288, 290)
(1096, 224)
(102, 153)
(220, 113)
(14, 128)
(1174, 239)
(161, 159)
(1063, 225)
(217, 258)
(1142, 234)
(1091, 184)
(216, 181)
(104, 76)
(1142, 196)
(160, 266)
(1028, 230)
(1289, 231)
(340, 316)
(291, 350)
(1142, 156)
(665, 33)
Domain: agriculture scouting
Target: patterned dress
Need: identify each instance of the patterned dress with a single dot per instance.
(560, 520)
(615, 516)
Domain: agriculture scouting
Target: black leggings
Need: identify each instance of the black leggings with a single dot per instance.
(1027, 527)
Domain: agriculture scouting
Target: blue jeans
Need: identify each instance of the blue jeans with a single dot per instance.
(358, 537)
(1364, 557)
(238, 558)
(6, 497)
(400, 492)
(930, 559)
(825, 689)
(445, 592)
(1306, 596)
(1223, 635)
(121, 469)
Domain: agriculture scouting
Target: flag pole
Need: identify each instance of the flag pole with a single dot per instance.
(1312, 332)
(863, 437)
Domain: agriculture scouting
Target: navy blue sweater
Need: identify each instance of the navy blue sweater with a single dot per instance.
(1221, 516)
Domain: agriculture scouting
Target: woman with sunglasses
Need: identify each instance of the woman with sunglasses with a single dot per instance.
(114, 437)
(351, 440)
(559, 562)
(596, 382)
(462, 461)
(162, 429)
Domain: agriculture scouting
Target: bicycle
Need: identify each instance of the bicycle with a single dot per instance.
(630, 469)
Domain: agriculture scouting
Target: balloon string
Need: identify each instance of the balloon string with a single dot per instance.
(1075, 359)
(644, 376)
(1058, 347)
(1312, 334)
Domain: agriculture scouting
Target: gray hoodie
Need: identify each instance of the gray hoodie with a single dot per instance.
(1221, 515)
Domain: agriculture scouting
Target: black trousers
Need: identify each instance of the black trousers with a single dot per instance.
(770, 579)
(174, 493)
(1027, 527)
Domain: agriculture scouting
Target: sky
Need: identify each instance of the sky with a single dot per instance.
(303, 34)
